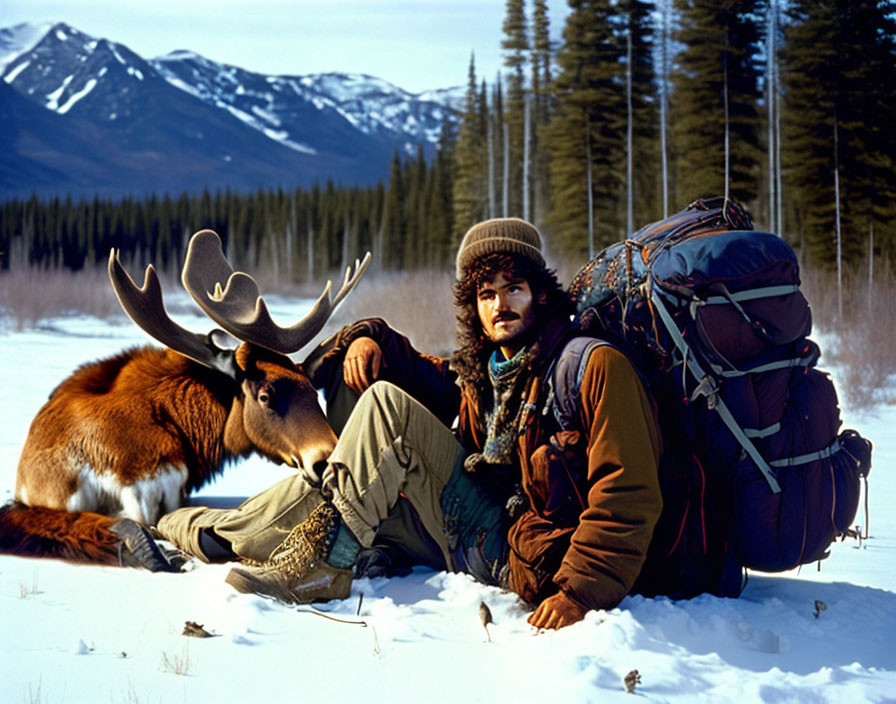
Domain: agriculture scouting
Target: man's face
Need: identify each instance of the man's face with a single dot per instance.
(506, 310)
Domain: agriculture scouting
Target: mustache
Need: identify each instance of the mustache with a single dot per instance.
(504, 317)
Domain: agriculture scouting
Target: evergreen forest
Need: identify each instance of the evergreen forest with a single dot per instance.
(787, 106)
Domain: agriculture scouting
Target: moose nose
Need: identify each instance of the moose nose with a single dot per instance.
(320, 468)
(315, 457)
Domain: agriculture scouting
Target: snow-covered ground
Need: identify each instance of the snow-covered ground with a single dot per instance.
(90, 634)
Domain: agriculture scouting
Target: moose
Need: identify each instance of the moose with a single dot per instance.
(125, 439)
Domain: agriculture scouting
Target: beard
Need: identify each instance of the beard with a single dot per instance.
(518, 333)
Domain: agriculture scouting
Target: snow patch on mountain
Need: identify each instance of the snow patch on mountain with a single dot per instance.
(20, 39)
(68, 65)
(63, 66)
(11, 76)
(372, 105)
(300, 129)
(53, 97)
(75, 97)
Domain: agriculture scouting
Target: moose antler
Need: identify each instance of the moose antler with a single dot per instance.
(232, 299)
(145, 307)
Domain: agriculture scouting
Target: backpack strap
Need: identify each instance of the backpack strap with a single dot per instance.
(565, 379)
(733, 299)
(708, 386)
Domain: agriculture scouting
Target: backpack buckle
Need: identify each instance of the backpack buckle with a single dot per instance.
(707, 387)
(695, 304)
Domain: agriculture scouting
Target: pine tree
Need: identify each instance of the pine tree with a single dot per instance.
(496, 151)
(541, 61)
(415, 177)
(441, 211)
(773, 118)
(585, 137)
(713, 107)
(470, 189)
(663, 64)
(635, 36)
(394, 226)
(836, 128)
(516, 49)
(329, 241)
(542, 104)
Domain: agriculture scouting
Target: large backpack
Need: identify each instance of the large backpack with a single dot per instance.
(754, 473)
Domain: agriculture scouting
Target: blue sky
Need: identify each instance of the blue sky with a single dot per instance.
(415, 44)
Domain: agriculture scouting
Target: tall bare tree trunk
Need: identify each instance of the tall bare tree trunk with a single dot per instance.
(378, 246)
(590, 194)
(771, 99)
(870, 266)
(492, 205)
(779, 206)
(291, 229)
(275, 260)
(527, 110)
(346, 233)
(837, 211)
(287, 255)
(664, 100)
(505, 200)
(725, 98)
(629, 171)
(309, 251)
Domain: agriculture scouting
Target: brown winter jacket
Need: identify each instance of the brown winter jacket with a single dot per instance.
(593, 494)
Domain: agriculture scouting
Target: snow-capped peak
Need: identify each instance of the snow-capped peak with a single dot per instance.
(20, 38)
(331, 125)
(272, 103)
(59, 66)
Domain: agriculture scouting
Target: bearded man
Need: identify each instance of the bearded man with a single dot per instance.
(559, 510)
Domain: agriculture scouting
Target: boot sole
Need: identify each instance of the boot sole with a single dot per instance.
(319, 585)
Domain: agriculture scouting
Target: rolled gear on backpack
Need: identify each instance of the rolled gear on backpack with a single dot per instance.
(754, 472)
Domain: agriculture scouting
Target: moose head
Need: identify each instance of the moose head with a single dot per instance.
(276, 410)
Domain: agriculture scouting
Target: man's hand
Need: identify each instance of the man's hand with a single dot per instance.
(362, 364)
(557, 611)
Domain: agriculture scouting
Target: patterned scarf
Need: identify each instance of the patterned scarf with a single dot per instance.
(500, 421)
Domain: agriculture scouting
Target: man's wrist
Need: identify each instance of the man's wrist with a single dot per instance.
(368, 327)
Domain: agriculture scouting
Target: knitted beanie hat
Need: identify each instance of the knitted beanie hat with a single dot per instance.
(506, 235)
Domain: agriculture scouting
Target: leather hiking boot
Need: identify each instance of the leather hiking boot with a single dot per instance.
(296, 571)
(321, 582)
(138, 549)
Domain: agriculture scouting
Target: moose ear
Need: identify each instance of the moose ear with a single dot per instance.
(223, 340)
(248, 356)
(243, 357)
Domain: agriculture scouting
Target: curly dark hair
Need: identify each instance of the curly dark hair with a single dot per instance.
(474, 348)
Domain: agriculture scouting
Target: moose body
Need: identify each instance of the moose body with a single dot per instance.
(132, 435)
(125, 439)
(98, 443)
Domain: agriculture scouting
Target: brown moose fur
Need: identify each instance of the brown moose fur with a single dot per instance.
(46, 532)
(138, 422)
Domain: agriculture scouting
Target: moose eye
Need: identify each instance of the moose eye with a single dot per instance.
(265, 395)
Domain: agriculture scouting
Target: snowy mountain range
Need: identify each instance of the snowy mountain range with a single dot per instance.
(83, 115)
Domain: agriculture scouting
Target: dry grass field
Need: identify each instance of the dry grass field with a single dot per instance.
(420, 304)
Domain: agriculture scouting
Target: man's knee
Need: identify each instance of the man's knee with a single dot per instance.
(383, 389)
(379, 413)
(382, 395)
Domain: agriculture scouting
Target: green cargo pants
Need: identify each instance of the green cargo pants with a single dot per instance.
(391, 447)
